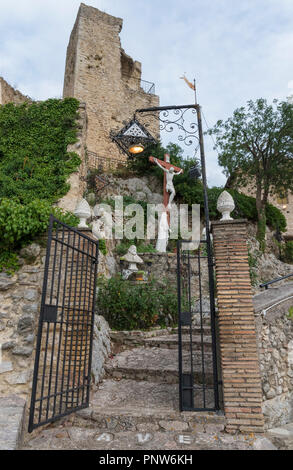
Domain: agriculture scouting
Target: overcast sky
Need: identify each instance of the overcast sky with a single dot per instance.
(236, 49)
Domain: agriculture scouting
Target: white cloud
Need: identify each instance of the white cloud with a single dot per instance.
(236, 50)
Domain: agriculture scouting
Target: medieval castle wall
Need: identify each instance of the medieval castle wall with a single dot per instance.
(10, 95)
(99, 73)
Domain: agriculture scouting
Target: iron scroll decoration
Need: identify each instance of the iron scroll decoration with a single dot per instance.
(178, 119)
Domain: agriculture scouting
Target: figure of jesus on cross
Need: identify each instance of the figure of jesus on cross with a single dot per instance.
(170, 171)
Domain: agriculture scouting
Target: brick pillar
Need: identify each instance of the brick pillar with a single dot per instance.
(242, 391)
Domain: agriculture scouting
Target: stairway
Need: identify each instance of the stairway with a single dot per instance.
(141, 391)
(136, 406)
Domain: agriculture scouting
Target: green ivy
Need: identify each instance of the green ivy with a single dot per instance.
(34, 169)
(34, 162)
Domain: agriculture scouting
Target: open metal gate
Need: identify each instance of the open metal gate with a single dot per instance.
(198, 374)
(62, 374)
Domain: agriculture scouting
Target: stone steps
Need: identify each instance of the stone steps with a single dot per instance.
(171, 342)
(282, 436)
(166, 339)
(157, 365)
(12, 411)
(128, 405)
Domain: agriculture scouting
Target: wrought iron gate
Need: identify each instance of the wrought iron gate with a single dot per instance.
(62, 374)
(198, 375)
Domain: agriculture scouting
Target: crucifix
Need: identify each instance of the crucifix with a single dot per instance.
(169, 172)
(169, 194)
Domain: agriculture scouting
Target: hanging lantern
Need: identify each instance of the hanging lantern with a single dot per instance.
(133, 139)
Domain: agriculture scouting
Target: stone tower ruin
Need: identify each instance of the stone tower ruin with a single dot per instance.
(99, 73)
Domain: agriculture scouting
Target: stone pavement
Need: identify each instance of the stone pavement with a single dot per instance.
(11, 422)
(136, 407)
(282, 437)
(79, 438)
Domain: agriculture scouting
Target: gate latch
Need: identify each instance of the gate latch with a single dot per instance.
(50, 313)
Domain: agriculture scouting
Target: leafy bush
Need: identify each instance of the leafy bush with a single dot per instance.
(275, 218)
(20, 223)
(288, 252)
(141, 246)
(102, 247)
(9, 262)
(128, 306)
(190, 192)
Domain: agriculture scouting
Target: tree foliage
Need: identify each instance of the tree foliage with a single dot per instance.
(256, 148)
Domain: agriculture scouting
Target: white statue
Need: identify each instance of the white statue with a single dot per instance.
(226, 205)
(163, 235)
(133, 259)
(83, 212)
(169, 181)
(103, 223)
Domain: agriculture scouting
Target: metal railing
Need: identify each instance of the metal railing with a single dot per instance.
(267, 284)
(148, 87)
(96, 162)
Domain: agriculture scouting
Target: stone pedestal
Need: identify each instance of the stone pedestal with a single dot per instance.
(238, 344)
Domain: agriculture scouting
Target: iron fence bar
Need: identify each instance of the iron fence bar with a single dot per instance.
(39, 334)
(69, 246)
(210, 258)
(190, 329)
(71, 340)
(47, 395)
(55, 326)
(67, 325)
(78, 282)
(93, 318)
(179, 324)
(61, 321)
(202, 340)
(83, 323)
(86, 338)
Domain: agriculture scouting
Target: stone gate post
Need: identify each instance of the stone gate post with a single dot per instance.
(241, 378)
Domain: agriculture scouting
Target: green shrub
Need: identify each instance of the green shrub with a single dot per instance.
(20, 223)
(141, 246)
(9, 262)
(288, 252)
(190, 192)
(102, 247)
(129, 306)
(275, 218)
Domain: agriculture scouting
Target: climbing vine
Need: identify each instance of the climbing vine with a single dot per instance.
(34, 169)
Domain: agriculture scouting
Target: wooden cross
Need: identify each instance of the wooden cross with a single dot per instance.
(166, 164)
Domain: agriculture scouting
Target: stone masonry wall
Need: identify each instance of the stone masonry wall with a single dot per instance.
(20, 297)
(77, 180)
(20, 301)
(9, 95)
(275, 343)
(99, 73)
